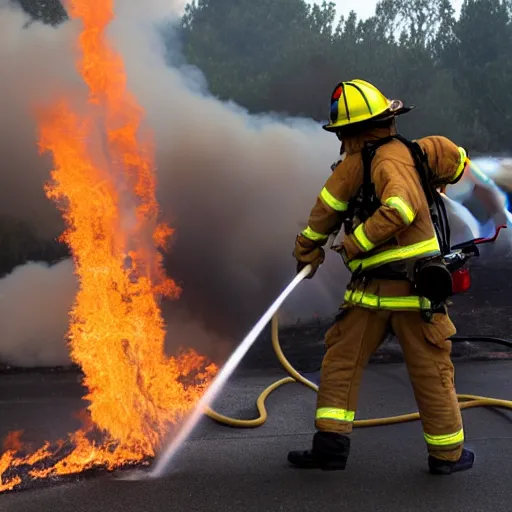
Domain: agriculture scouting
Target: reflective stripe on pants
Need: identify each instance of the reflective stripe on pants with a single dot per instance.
(445, 439)
(335, 414)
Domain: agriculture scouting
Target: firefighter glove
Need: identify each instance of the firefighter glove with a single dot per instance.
(307, 252)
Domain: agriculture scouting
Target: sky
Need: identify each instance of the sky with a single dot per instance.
(366, 8)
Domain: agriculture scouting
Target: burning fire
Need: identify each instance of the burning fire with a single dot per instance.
(103, 182)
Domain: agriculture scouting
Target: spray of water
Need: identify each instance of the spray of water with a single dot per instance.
(163, 463)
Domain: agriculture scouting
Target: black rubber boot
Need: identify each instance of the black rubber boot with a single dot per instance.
(330, 452)
(445, 467)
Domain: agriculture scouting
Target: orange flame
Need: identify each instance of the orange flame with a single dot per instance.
(104, 183)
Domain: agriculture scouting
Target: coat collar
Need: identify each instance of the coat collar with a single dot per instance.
(356, 144)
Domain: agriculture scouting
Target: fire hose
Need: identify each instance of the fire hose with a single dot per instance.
(465, 401)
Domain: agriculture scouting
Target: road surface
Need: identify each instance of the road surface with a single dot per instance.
(223, 469)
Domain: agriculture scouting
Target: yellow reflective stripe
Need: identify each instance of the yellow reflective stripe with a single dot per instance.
(462, 164)
(362, 239)
(361, 298)
(445, 439)
(405, 211)
(332, 202)
(333, 413)
(425, 248)
(313, 235)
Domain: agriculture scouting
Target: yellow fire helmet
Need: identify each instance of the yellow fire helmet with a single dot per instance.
(357, 101)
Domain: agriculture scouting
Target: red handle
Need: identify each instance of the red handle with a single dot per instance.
(478, 241)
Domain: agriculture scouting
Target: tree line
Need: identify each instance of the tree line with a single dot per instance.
(286, 56)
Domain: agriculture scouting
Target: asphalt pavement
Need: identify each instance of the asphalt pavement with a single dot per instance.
(225, 469)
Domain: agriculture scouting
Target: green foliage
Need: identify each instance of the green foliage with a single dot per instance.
(250, 50)
(286, 56)
(20, 243)
(47, 11)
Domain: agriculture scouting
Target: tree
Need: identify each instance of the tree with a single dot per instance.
(420, 22)
(286, 56)
(481, 60)
(247, 49)
(48, 11)
(20, 243)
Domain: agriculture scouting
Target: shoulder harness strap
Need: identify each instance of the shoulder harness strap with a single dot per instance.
(370, 203)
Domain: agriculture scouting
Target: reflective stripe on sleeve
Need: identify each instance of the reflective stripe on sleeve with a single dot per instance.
(313, 235)
(405, 211)
(462, 164)
(362, 239)
(332, 202)
(334, 413)
(445, 439)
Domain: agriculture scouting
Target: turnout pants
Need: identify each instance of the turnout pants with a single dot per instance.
(357, 334)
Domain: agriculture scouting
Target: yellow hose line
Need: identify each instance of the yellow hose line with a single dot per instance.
(466, 401)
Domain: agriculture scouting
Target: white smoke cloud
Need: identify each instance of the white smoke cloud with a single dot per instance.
(34, 300)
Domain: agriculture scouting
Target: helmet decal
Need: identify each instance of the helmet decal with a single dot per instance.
(337, 93)
(334, 111)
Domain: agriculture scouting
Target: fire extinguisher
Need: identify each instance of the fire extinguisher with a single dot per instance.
(440, 277)
(455, 261)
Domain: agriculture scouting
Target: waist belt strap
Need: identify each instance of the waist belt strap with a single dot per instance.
(393, 271)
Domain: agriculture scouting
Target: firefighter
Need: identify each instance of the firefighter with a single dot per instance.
(380, 250)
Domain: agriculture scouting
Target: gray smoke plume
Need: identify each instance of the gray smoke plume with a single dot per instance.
(34, 300)
(237, 188)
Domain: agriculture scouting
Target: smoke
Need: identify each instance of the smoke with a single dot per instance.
(36, 66)
(34, 300)
(236, 187)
